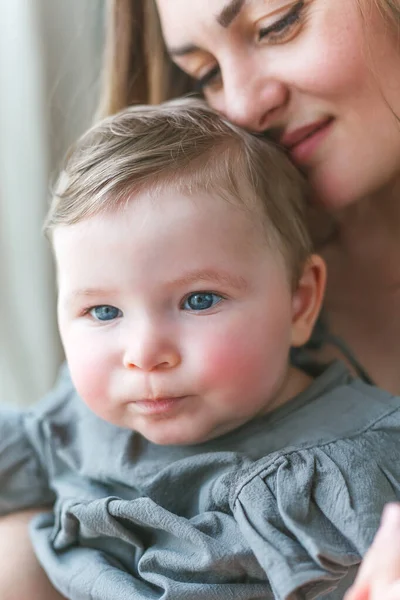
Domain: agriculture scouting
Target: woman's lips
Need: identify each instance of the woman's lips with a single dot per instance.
(302, 143)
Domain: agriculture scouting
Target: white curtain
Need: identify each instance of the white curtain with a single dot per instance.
(50, 54)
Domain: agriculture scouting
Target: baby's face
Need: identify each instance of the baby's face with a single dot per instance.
(175, 316)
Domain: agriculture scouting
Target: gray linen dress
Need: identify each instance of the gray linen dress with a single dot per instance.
(284, 507)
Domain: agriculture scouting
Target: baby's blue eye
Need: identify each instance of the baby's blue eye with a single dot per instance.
(201, 301)
(105, 312)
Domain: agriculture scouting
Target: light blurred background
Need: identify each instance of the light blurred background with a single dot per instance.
(50, 58)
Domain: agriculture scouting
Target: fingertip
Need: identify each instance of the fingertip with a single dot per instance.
(391, 516)
(357, 592)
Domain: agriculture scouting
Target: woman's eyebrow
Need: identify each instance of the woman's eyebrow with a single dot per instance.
(224, 18)
(229, 12)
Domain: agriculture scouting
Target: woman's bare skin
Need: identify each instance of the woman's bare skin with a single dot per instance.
(363, 291)
(21, 576)
(379, 576)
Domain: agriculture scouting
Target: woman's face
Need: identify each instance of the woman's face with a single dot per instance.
(315, 74)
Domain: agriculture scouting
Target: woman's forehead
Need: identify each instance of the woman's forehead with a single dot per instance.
(178, 16)
(215, 14)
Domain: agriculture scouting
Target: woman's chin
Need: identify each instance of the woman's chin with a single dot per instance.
(334, 193)
(335, 187)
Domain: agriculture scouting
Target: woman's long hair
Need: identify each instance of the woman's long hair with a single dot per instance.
(137, 68)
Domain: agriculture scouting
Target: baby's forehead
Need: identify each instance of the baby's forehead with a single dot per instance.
(162, 212)
(155, 239)
(190, 198)
(205, 226)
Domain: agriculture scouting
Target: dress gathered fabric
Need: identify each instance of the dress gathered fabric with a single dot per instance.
(284, 507)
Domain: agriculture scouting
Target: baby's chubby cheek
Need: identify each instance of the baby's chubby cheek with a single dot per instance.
(237, 362)
(89, 375)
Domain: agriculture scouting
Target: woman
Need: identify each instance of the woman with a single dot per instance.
(322, 78)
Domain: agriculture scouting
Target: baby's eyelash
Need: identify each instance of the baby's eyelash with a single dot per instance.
(85, 311)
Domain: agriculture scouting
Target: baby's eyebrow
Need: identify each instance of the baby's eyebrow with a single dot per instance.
(75, 295)
(89, 292)
(205, 275)
(212, 275)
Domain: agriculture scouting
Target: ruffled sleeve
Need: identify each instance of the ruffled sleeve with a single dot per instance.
(310, 515)
(24, 477)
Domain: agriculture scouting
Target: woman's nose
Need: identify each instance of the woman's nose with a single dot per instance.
(254, 102)
(149, 349)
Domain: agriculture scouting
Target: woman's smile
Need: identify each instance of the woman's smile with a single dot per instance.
(302, 142)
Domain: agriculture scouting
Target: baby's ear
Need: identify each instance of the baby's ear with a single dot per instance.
(307, 299)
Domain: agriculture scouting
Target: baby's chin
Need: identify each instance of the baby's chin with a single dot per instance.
(173, 435)
(168, 438)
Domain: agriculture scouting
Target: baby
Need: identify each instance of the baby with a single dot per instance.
(197, 462)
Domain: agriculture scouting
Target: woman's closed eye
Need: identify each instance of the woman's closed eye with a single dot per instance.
(104, 312)
(209, 79)
(279, 32)
(201, 301)
(284, 29)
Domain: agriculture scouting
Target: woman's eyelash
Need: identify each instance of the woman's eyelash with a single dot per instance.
(292, 17)
(206, 79)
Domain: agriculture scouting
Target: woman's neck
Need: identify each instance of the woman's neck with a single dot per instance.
(366, 244)
(374, 218)
(363, 293)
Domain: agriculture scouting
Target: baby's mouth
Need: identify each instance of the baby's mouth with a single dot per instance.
(158, 405)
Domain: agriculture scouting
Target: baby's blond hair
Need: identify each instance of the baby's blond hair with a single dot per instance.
(184, 144)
